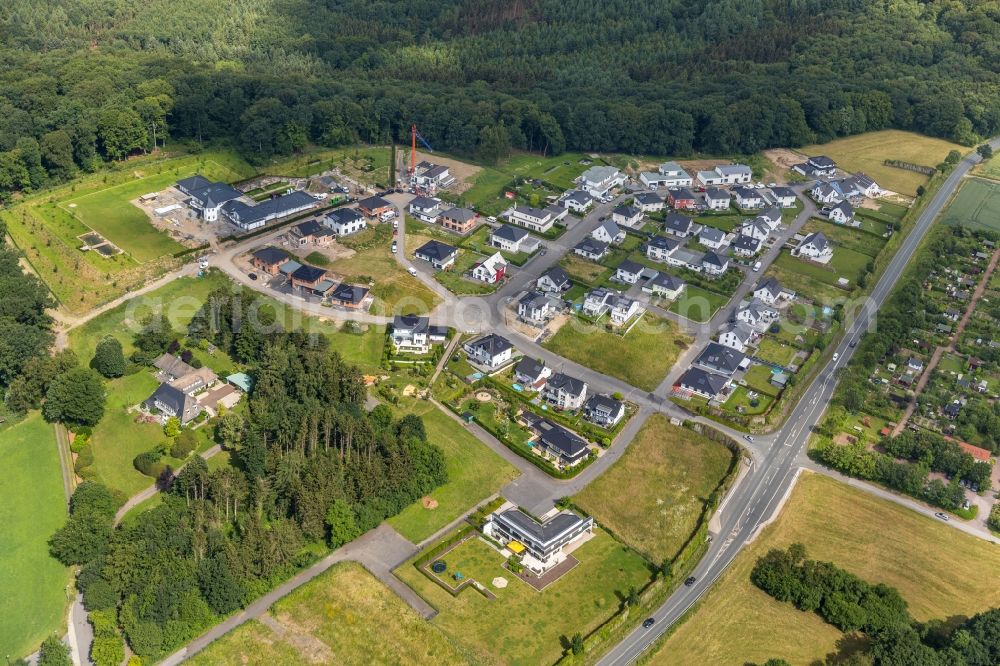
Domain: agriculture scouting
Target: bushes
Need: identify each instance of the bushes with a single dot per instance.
(185, 443)
(85, 535)
(148, 463)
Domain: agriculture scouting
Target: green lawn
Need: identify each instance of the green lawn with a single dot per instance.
(395, 290)
(584, 270)
(786, 270)
(457, 280)
(523, 626)
(474, 473)
(977, 206)
(654, 496)
(32, 506)
(346, 616)
(725, 222)
(367, 164)
(847, 237)
(480, 242)
(740, 402)
(698, 304)
(775, 351)
(845, 263)
(642, 358)
(758, 378)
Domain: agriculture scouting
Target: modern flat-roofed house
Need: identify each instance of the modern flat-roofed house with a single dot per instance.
(425, 209)
(459, 220)
(254, 216)
(608, 232)
(513, 239)
(578, 201)
(440, 255)
(537, 307)
(604, 410)
(535, 219)
(490, 350)
(173, 402)
(664, 285)
(747, 198)
(532, 373)
(345, 221)
(589, 248)
(629, 272)
(415, 335)
(737, 336)
(540, 545)
(491, 269)
(600, 180)
(668, 174)
(649, 202)
(815, 247)
(681, 199)
(770, 291)
(207, 197)
(716, 199)
(553, 281)
(842, 213)
(351, 296)
(783, 196)
(627, 216)
(375, 206)
(679, 225)
(565, 392)
(726, 174)
(720, 359)
(431, 177)
(712, 238)
(659, 248)
(820, 165)
(307, 277)
(696, 381)
(269, 259)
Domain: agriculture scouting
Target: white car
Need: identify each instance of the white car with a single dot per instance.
(412, 271)
(836, 355)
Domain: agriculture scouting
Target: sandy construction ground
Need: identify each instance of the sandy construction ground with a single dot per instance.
(465, 174)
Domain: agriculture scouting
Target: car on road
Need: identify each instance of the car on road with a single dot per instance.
(542, 253)
(941, 516)
(749, 438)
(252, 276)
(412, 271)
(648, 622)
(690, 581)
(836, 355)
(395, 224)
(756, 267)
(854, 343)
(394, 246)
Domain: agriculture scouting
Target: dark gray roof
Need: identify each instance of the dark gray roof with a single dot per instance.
(530, 367)
(215, 194)
(542, 534)
(678, 222)
(423, 203)
(343, 216)
(309, 228)
(374, 203)
(662, 243)
(630, 266)
(748, 243)
(720, 357)
(349, 293)
(580, 197)
(591, 246)
(713, 234)
(509, 233)
(704, 382)
(771, 284)
(782, 192)
(557, 275)
(435, 250)
(570, 385)
(563, 441)
(716, 193)
(681, 193)
(627, 211)
(714, 259)
(746, 193)
(276, 207)
(845, 207)
(667, 281)
(648, 198)
(601, 401)
(174, 398)
(307, 273)
(822, 162)
(460, 215)
(817, 239)
(411, 323)
(271, 255)
(493, 344)
(195, 182)
(771, 213)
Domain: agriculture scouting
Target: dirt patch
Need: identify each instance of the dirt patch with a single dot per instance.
(311, 648)
(464, 174)
(694, 166)
(429, 503)
(784, 158)
(843, 439)
(178, 221)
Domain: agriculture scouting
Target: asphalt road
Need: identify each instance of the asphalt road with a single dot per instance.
(759, 495)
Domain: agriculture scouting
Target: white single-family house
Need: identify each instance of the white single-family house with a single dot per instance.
(553, 281)
(757, 314)
(425, 209)
(842, 213)
(565, 392)
(649, 202)
(600, 180)
(737, 335)
(770, 291)
(513, 239)
(783, 196)
(714, 264)
(659, 248)
(608, 232)
(490, 270)
(726, 174)
(668, 174)
(629, 272)
(746, 246)
(537, 307)
(345, 221)
(604, 410)
(490, 350)
(578, 201)
(440, 255)
(627, 216)
(713, 238)
(679, 225)
(816, 247)
(747, 198)
(664, 285)
(590, 248)
(716, 198)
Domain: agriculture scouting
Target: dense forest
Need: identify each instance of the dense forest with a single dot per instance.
(92, 80)
(310, 467)
(851, 604)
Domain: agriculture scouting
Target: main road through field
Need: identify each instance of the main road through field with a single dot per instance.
(760, 494)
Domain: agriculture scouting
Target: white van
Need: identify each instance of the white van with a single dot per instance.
(756, 267)
(412, 271)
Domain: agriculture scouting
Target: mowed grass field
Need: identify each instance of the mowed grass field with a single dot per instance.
(940, 571)
(522, 625)
(848, 237)
(32, 507)
(346, 616)
(867, 152)
(698, 304)
(642, 358)
(395, 290)
(474, 473)
(653, 497)
(990, 168)
(977, 206)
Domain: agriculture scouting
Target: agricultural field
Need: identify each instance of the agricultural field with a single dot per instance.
(642, 358)
(977, 206)
(33, 585)
(474, 473)
(522, 625)
(940, 572)
(989, 168)
(654, 496)
(867, 152)
(46, 227)
(346, 616)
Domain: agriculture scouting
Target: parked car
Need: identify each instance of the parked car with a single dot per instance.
(394, 246)
(756, 267)
(412, 271)
(395, 224)
(749, 438)
(941, 516)
(252, 276)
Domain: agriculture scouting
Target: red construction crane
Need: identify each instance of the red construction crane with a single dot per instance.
(414, 135)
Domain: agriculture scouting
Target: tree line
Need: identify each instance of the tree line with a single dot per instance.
(96, 80)
(311, 469)
(852, 604)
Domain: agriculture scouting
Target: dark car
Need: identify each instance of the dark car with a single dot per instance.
(690, 581)
(647, 623)
(252, 276)
(854, 343)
